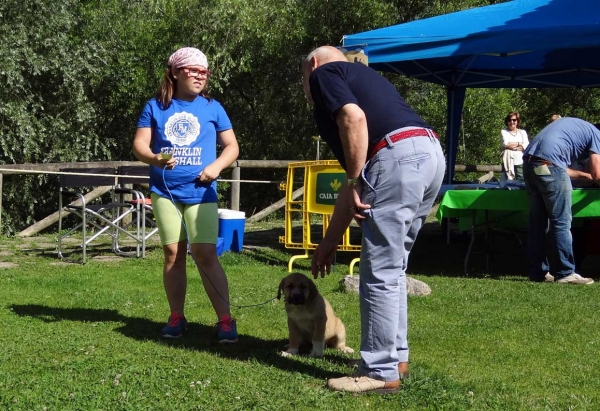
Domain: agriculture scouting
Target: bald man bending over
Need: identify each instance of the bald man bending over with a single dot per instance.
(394, 166)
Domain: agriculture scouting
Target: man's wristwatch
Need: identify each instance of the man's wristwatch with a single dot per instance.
(352, 182)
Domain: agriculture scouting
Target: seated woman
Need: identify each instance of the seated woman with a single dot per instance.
(514, 142)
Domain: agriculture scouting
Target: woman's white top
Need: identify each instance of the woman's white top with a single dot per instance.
(520, 136)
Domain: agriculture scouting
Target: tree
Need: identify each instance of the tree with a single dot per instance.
(76, 74)
(45, 114)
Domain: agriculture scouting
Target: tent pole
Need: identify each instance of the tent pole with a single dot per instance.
(456, 99)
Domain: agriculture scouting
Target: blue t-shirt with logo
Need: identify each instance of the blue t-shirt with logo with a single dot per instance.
(565, 141)
(336, 84)
(190, 129)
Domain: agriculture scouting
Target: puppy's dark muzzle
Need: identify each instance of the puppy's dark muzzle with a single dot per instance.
(296, 298)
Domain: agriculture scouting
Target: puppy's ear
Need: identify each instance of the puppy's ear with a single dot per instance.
(280, 289)
(312, 289)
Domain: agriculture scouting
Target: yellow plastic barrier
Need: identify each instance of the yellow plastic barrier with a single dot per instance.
(322, 180)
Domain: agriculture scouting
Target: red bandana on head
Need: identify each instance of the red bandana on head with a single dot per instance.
(187, 57)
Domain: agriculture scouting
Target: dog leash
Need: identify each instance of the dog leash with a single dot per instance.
(192, 255)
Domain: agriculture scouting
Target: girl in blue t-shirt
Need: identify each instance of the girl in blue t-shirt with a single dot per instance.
(177, 135)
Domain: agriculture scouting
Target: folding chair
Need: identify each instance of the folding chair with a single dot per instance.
(107, 218)
(138, 175)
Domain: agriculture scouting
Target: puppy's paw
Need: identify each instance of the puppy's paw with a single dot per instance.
(317, 350)
(346, 350)
(290, 352)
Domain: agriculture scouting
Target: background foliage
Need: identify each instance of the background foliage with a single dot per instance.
(75, 75)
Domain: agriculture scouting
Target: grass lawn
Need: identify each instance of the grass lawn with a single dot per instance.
(87, 337)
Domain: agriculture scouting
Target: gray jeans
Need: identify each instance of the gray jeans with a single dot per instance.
(401, 184)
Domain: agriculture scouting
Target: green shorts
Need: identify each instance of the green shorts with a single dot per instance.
(201, 221)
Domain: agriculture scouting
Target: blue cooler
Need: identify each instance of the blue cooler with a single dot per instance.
(219, 246)
(231, 229)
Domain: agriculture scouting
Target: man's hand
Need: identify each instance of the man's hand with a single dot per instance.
(355, 205)
(322, 258)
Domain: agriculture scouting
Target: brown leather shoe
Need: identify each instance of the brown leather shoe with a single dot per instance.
(403, 370)
(361, 385)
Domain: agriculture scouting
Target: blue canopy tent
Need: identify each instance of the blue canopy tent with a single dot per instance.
(520, 43)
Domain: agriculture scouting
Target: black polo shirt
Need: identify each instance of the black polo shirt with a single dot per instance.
(336, 84)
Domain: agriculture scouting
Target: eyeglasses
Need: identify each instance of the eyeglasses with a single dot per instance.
(512, 120)
(196, 72)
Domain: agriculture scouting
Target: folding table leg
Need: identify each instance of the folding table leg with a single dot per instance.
(487, 245)
(470, 249)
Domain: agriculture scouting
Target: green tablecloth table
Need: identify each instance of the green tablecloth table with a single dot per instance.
(505, 209)
(460, 203)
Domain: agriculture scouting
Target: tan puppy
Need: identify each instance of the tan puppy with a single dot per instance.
(310, 317)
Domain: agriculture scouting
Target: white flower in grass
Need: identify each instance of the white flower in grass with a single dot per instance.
(200, 384)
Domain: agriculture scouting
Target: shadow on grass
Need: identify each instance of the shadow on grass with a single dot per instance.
(264, 247)
(432, 254)
(267, 256)
(199, 337)
(265, 238)
(435, 254)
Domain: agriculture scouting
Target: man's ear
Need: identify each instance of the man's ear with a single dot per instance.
(314, 63)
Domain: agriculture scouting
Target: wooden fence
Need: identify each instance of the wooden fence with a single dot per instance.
(236, 180)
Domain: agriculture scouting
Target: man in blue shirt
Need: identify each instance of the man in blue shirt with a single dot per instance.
(394, 166)
(546, 163)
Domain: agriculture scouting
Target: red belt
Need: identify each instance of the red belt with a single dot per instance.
(417, 132)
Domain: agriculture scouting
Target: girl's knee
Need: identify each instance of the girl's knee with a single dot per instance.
(205, 253)
(175, 254)
(206, 259)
